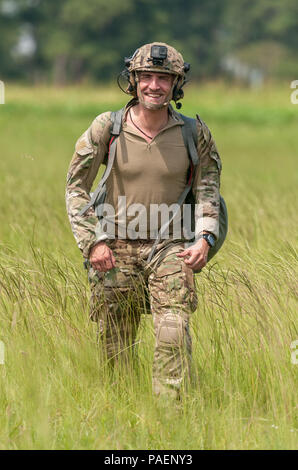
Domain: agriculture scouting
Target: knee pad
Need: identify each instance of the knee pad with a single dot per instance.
(171, 330)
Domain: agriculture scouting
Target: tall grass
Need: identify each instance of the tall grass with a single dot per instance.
(56, 389)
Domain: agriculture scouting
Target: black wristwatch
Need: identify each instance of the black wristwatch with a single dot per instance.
(210, 239)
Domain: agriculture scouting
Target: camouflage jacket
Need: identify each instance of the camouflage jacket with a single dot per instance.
(91, 151)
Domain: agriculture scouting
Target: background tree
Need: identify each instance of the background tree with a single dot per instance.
(73, 40)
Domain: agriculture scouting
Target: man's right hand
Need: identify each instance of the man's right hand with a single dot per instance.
(101, 257)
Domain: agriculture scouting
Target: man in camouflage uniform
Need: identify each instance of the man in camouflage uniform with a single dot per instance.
(151, 167)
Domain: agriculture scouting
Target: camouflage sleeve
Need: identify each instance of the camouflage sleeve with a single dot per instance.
(206, 183)
(90, 151)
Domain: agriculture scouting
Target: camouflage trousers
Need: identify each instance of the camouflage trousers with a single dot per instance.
(166, 287)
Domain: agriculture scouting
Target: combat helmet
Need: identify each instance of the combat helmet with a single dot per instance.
(156, 57)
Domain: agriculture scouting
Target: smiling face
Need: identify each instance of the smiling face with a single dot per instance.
(154, 89)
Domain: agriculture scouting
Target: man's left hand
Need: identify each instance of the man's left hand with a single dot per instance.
(196, 255)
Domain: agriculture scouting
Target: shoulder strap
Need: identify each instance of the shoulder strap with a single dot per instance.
(116, 119)
(190, 136)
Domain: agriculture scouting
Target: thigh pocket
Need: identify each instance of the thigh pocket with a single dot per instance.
(167, 286)
(119, 277)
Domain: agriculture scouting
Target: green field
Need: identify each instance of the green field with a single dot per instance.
(56, 391)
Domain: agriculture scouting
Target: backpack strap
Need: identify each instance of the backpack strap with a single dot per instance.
(116, 119)
(190, 137)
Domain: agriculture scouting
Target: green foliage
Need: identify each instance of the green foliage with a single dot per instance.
(253, 21)
(78, 41)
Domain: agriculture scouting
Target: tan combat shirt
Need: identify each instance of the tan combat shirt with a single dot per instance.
(148, 175)
(145, 174)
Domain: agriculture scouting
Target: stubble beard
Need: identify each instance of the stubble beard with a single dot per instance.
(154, 106)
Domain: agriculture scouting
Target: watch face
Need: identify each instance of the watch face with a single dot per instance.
(209, 239)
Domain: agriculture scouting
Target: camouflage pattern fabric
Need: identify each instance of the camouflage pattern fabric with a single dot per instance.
(206, 182)
(91, 151)
(118, 298)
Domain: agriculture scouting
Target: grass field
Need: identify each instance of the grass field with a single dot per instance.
(56, 392)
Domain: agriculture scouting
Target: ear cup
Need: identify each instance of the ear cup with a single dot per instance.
(178, 92)
(186, 67)
(130, 87)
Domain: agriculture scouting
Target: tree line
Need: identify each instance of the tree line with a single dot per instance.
(69, 41)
